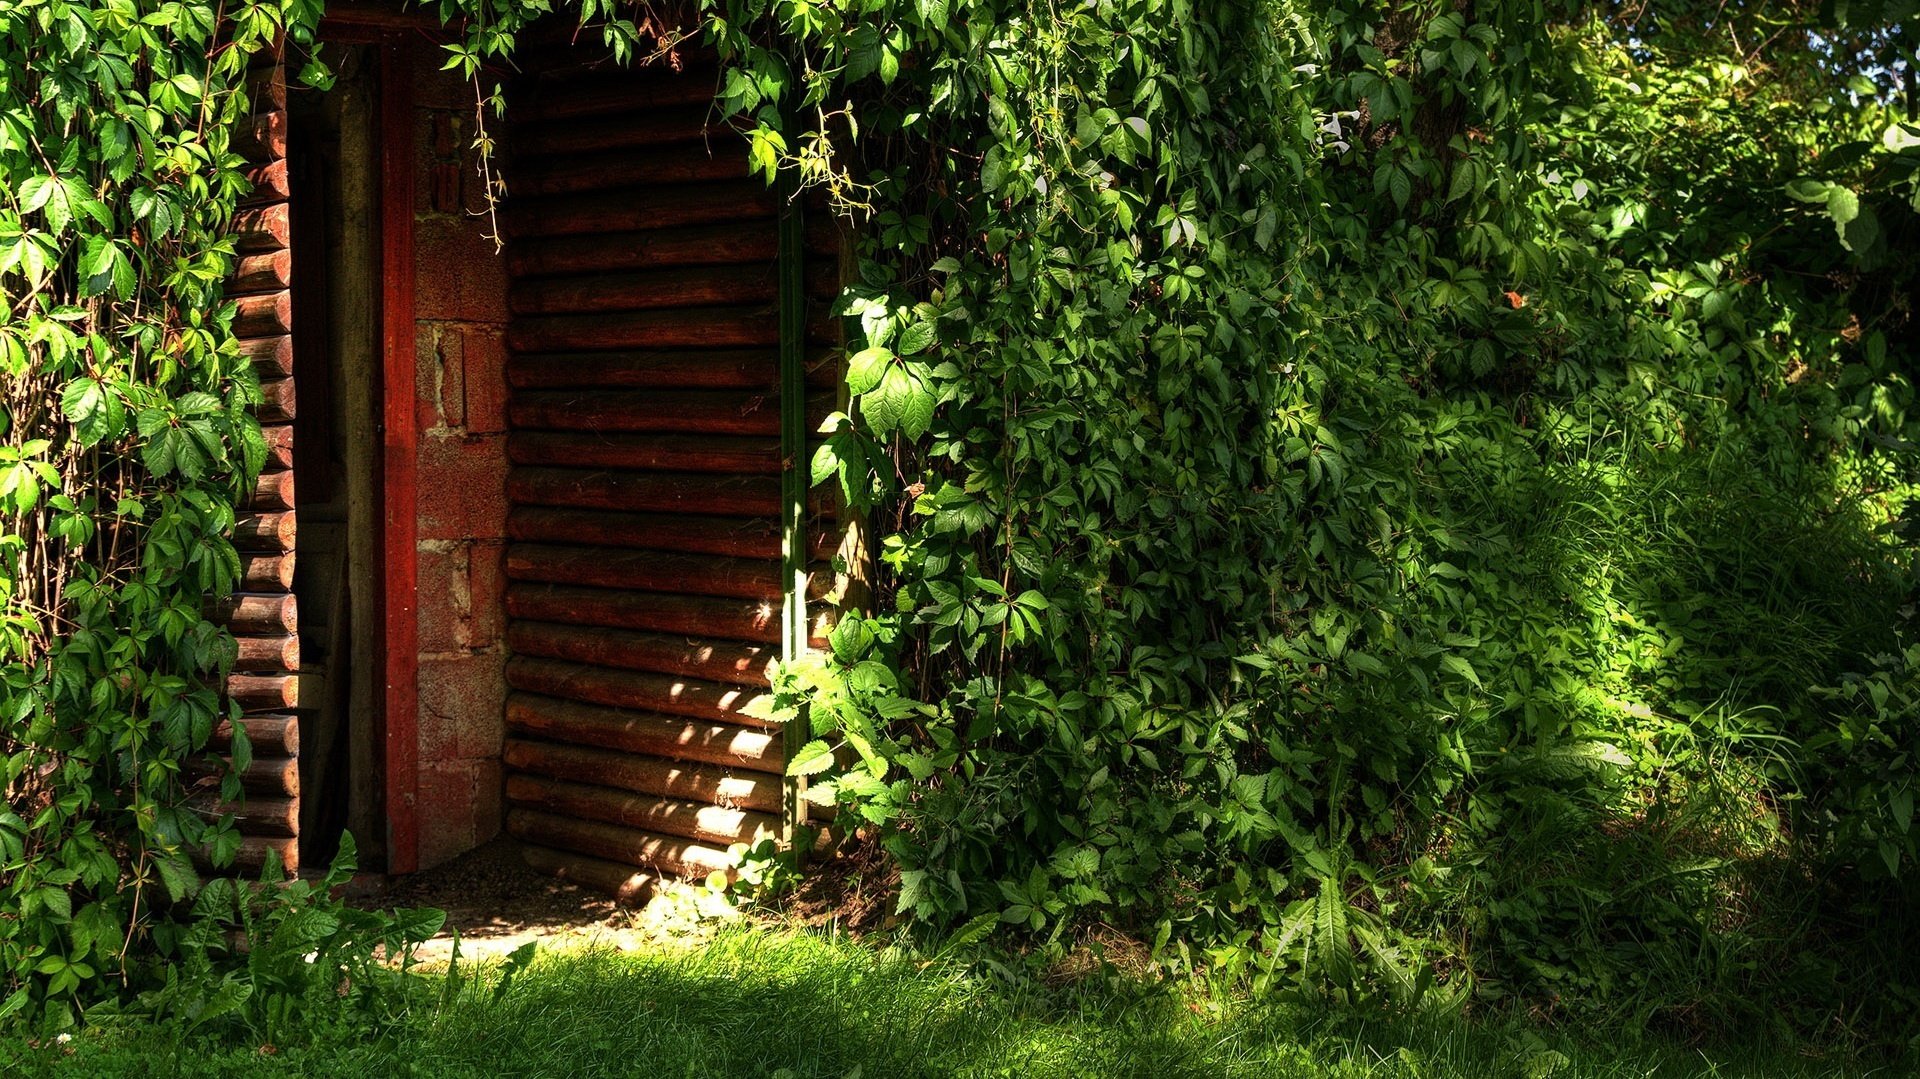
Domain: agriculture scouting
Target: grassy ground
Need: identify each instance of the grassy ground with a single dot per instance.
(781, 1003)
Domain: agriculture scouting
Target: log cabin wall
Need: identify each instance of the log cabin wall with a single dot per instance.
(263, 613)
(644, 558)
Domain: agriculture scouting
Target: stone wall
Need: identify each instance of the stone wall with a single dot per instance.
(461, 306)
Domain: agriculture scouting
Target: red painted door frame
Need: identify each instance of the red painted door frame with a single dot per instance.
(399, 444)
(392, 34)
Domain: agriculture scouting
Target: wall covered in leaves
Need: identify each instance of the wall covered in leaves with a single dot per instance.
(1407, 500)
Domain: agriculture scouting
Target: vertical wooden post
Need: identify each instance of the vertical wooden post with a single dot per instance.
(398, 444)
(795, 474)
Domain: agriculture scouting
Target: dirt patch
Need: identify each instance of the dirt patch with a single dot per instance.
(496, 903)
(853, 890)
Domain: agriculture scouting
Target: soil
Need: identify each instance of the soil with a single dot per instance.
(495, 903)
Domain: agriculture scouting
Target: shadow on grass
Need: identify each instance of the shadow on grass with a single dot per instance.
(758, 1002)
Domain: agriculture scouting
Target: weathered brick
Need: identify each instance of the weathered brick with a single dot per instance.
(443, 597)
(483, 380)
(462, 706)
(462, 486)
(459, 273)
(448, 808)
(487, 592)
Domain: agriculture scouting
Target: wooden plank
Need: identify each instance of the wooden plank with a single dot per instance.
(267, 654)
(645, 733)
(654, 126)
(740, 537)
(264, 315)
(705, 412)
(264, 692)
(645, 571)
(649, 850)
(653, 453)
(269, 531)
(616, 91)
(273, 492)
(715, 369)
(675, 328)
(266, 571)
(265, 271)
(702, 616)
(624, 883)
(683, 780)
(718, 825)
(716, 660)
(267, 736)
(642, 690)
(254, 615)
(262, 228)
(262, 816)
(584, 173)
(272, 357)
(730, 496)
(748, 242)
(277, 405)
(682, 286)
(641, 209)
(399, 490)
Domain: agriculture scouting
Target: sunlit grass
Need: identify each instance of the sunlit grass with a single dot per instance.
(768, 1002)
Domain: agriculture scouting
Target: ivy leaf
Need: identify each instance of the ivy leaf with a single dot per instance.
(95, 413)
(916, 338)
(812, 759)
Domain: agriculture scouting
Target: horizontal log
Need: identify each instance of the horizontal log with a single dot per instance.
(645, 571)
(749, 242)
(701, 616)
(267, 88)
(619, 90)
(643, 690)
(270, 777)
(672, 737)
(624, 883)
(277, 404)
(266, 271)
(576, 174)
(655, 453)
(272, 356)
(740, 537)
(718, 825)
(676, 328)
(684, 780)
(265, 314)
(267, 654)
(252, 856)
(279, 440)
(264, 692)
(645, 290)
(262, 137)
(268, 531)
(256, 615)
(268, 181)
(262, 228)
(731, 496)
(704, 412)
(266, 572)
(706, 369)
(654, 127)
(267, 736)
(273, 491)
(261, 816)
(647, 850)
(641, 209)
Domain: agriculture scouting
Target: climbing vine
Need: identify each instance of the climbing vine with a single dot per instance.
(1413, 495)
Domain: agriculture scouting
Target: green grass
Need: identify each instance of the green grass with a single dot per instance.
(765, 1002)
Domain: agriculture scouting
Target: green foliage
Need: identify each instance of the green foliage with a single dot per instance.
(1379, 489)
(1344, 453)
(124, 444)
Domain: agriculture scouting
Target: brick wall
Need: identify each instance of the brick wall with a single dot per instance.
(461, 306)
